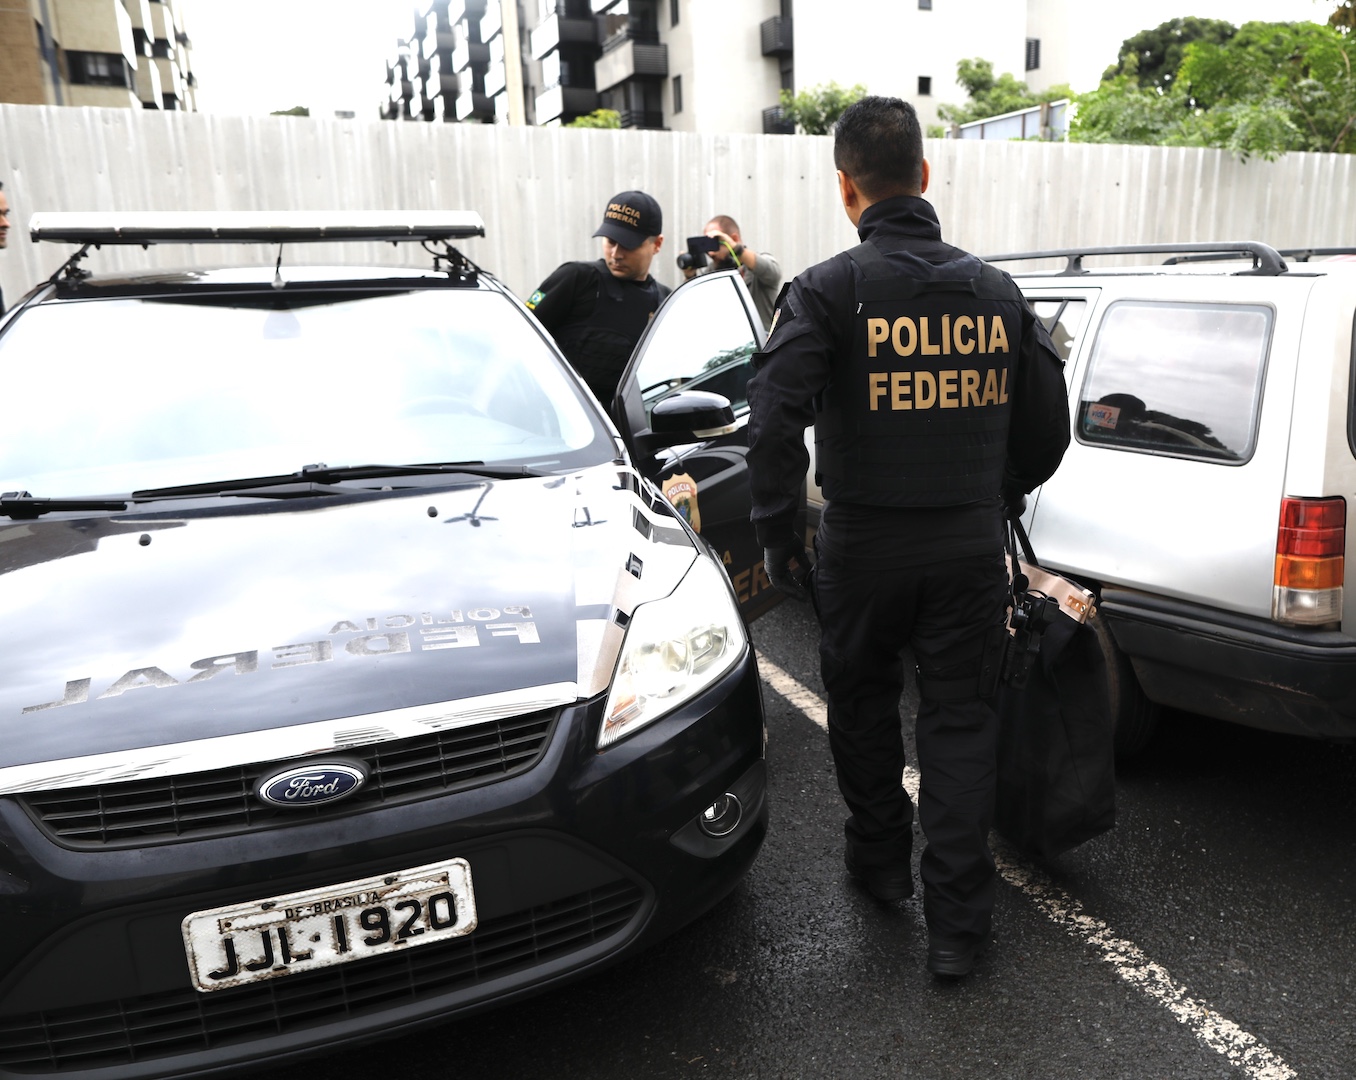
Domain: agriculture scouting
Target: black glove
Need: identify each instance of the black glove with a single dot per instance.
(787, 567)
(1014, 502)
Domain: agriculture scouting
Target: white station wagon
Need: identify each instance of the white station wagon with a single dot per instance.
(1206, 495)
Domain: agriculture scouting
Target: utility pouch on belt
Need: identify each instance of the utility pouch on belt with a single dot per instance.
(991, 663)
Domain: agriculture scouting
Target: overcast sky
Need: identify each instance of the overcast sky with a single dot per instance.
(258, 56)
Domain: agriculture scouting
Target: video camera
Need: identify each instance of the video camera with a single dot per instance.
(698, 248)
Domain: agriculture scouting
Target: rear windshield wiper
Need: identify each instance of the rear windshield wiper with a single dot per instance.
(310, 479)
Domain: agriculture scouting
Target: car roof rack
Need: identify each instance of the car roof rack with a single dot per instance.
(1305, 254)
(1266, 260)
(253, 226)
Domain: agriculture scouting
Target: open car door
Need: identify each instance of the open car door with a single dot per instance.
(683, 410)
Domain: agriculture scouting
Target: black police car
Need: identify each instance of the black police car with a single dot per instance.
(357, 671)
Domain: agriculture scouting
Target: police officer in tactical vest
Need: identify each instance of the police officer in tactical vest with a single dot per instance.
(935, 396)
(598, 310)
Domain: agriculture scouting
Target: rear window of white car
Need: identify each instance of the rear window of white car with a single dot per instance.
(1183, 379)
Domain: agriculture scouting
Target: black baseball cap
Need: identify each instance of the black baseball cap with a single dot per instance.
(631, 218)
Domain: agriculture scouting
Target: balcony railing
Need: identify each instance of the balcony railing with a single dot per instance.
(441, 78)
(632, 118)
(438, 41)
(776, 123)
(565, 102)
(616, 36)
(558, 30)
(776, 34)
(634, 58)
(469, 54)
(473, 105)
(491, 22)
(458, 10)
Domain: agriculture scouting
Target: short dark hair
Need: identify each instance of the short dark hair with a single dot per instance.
(879, 143)
(728, 225)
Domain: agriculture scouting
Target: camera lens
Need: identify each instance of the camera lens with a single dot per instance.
(685, 261)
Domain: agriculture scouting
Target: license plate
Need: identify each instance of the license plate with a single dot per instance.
(283, 935)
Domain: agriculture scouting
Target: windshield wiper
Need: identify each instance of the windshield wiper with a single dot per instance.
(311, 479)
(363, 472)
(20, 505)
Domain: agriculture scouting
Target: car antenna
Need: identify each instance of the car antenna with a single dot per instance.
(277, 269)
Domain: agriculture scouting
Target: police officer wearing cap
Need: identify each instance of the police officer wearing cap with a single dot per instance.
(598, 310)
(935, 395)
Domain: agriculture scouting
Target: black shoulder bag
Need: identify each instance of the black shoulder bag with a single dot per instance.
(1056, 766)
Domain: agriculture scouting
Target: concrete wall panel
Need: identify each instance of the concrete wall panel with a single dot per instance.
(542, 190)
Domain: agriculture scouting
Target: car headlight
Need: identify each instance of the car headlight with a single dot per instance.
(674, 649)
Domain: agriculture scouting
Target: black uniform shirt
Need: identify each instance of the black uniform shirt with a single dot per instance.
(597, 340)
(812, 329)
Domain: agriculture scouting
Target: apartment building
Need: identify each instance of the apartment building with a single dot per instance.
(714, 65)
(461, 62)
(706, 65)
(126, 54)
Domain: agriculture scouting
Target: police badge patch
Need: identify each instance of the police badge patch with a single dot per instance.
(535, 299)
(783, 304)
(681, 490)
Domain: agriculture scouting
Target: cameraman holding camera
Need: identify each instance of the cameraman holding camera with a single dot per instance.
(759, 270)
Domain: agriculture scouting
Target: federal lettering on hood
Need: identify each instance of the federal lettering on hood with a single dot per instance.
(369, 636)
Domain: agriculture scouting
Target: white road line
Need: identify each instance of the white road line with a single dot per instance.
(1126, 959)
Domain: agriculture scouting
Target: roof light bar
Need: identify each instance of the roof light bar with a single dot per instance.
(253, 226)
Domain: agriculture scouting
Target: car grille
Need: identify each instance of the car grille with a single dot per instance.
(221, 802)
(126, 1031)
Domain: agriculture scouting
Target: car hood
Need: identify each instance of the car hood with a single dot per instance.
(135, 631)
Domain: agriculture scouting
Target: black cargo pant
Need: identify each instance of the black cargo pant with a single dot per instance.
(944, 611)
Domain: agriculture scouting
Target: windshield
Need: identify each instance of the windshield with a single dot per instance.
(119, 395)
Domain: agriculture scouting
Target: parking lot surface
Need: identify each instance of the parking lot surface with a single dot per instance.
(1208, 935)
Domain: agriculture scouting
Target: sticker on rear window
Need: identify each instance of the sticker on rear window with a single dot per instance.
(1102, 416)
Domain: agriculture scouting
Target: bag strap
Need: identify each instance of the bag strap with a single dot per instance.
(1024, 540)
(1017, 581)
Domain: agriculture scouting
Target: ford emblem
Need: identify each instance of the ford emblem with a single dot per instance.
(311, 784)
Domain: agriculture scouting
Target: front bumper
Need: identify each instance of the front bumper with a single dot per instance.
(1232, 667)
(578, 862)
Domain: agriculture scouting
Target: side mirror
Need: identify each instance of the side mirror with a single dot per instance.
(693, 412)
(688, 416)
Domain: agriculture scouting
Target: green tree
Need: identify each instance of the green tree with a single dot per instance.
(1269, 89)
(1277, 87)
(1153, 56)
(599, 118)
(1121, 111)
(816, 109)
(992, 95)
(295, 110)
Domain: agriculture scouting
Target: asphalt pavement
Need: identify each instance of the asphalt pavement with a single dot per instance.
(1208, 935)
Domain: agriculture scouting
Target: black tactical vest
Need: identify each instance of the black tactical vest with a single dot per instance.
(599, 346)
(917, 413)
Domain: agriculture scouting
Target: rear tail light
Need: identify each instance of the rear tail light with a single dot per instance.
(1307, 590)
